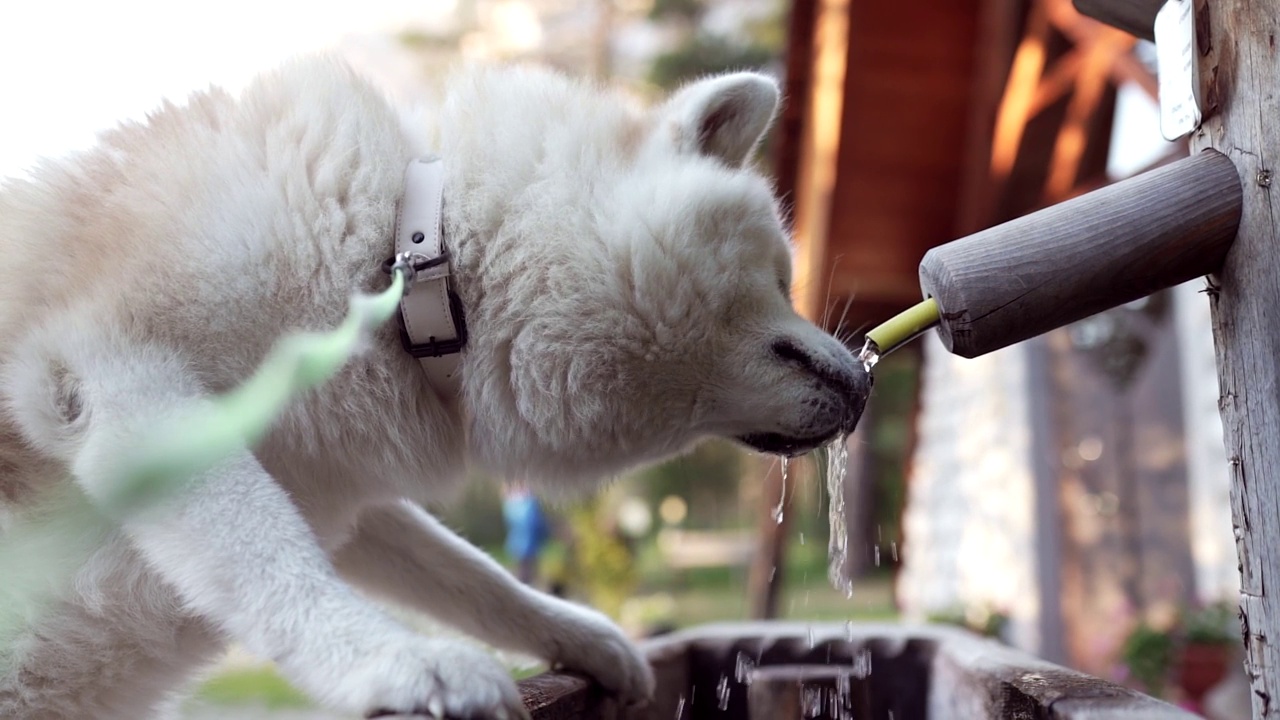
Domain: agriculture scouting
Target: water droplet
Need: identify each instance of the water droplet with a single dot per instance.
(894, 546)
(743, 667)
(801, 538)
(848, 631)
(680, 708)
(869, 355)
(722, 693)
(782, 496)
(812, 641)
(877, 556)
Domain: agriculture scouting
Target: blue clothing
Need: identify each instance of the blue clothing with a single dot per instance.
(526, 526)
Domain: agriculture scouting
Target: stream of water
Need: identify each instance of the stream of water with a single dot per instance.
(838, 547)
(838, 571)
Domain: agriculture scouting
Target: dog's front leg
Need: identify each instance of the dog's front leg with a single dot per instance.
(239, 553)
(403, 553)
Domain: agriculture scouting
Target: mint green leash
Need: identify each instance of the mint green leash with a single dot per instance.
(298, 363)
(39, 556)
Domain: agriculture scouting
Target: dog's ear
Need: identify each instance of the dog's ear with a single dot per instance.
(723, 116)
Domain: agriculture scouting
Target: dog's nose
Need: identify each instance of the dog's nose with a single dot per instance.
(850, 381)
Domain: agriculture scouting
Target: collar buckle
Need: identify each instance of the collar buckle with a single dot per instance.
(433, 325)
(432, 347)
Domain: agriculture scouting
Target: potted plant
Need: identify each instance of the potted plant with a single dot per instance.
(1208, 637)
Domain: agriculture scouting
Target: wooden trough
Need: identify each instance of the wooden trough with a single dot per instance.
(790, 671)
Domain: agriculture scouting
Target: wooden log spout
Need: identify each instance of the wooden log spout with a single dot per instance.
(1094, 252)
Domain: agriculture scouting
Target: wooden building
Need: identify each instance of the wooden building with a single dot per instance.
(1060, 481)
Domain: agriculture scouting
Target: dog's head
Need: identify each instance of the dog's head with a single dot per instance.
(655, 309)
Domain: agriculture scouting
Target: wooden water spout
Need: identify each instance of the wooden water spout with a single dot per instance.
(1091, 253)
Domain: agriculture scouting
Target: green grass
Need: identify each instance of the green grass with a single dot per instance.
(809, 598)
(713, 594)
(260, 686)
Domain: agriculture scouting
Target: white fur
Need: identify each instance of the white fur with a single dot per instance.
(625, 278)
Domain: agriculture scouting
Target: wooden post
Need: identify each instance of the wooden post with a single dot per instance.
(1240, 71)
(768, 566)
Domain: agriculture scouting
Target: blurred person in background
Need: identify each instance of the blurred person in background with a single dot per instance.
(526, 529)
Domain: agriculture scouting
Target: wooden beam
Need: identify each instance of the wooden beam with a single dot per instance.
(788, 147)
(1020, 93)
(1085, 32)
(1238, 65)
(996, 43)
(1136, 17)
(1090, 93)
(1057, 81)
(827, 53)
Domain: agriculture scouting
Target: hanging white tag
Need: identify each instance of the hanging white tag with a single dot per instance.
(1178, 74)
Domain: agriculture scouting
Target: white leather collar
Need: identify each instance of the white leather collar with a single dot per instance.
(432, 323)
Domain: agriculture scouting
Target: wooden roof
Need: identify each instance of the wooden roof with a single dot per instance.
(909, 126)
(889, 103)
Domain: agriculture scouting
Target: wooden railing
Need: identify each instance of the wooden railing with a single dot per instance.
(788, 671)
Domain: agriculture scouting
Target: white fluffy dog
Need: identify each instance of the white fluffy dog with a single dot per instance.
(625, 280)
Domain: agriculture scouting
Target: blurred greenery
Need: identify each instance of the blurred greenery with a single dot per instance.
(1216, 624)
(684, 11)
(600, 563)
(1152, 650)
(706, 479)
(1148, 653)
(629, 577)
(705, 54)
(697, 596)
(702, 52)
(260, 686)
(889, 439)
(980, 620)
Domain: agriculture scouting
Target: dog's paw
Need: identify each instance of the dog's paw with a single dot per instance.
(589, 642)
(430, 678)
